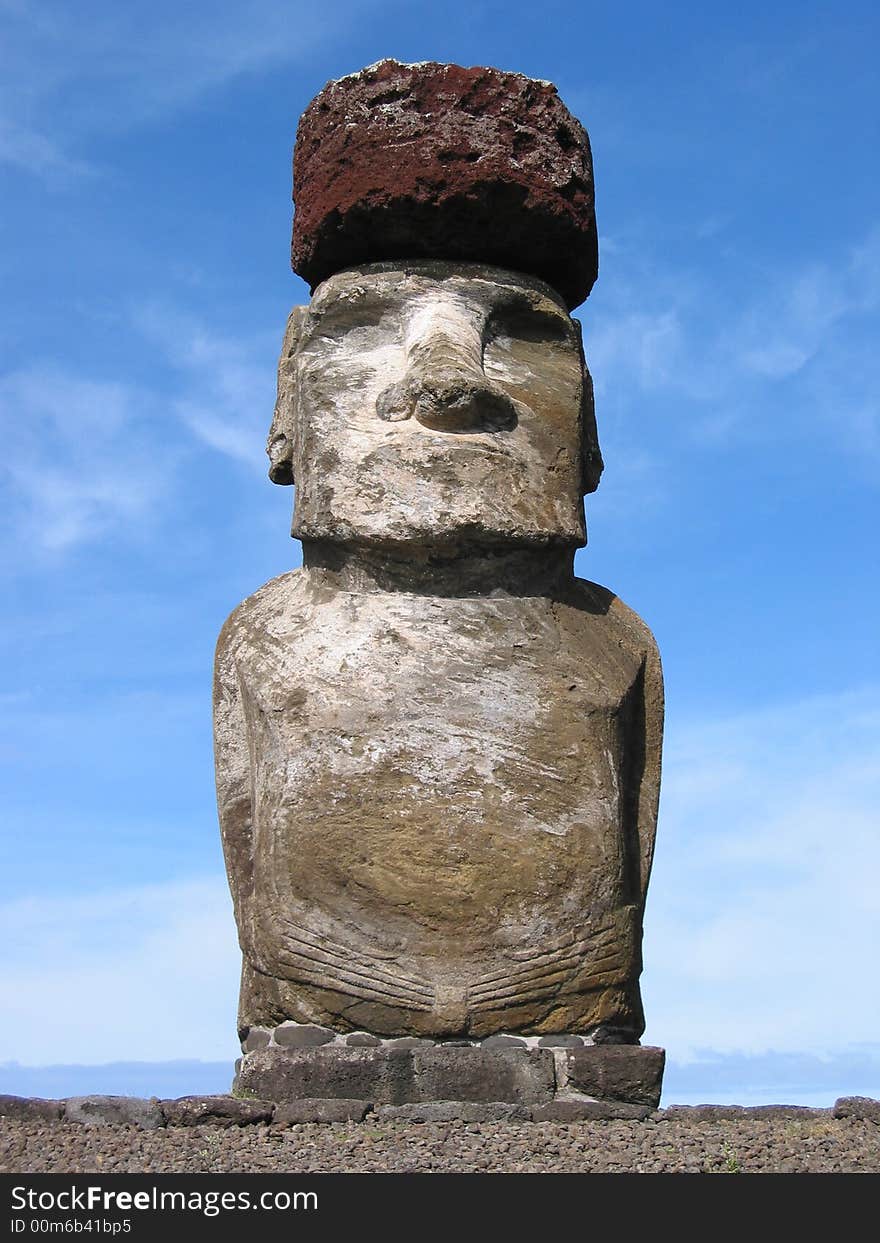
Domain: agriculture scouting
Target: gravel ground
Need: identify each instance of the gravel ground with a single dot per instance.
(671, 1145)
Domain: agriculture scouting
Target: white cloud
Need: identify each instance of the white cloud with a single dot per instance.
(764, 901)
(82, 457)
(139, 974)
(802, 349)
(228, 384)
(88, 459)
(72, 71)
(37, 154)
(642, 345)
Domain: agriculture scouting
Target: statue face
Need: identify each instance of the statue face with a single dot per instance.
(436, 403)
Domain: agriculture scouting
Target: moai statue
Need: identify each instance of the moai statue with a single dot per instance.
(438, 752)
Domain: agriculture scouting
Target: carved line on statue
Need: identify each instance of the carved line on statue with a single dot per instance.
(543, 959)
(360, 974)
(547, 971)
(345, 971)
(340, 980)
(348, 956)
(526, 988)
(334, 983)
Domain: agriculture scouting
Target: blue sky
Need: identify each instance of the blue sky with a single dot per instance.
(144, 156)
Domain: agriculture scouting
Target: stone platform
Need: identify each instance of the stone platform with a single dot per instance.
(544, 1079)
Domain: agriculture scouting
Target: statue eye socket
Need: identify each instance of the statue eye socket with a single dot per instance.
(357, 315)
(526, 324)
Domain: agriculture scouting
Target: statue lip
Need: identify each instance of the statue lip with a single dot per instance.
(435, 442)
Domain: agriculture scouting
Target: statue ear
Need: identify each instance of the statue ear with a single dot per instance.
(280, 445)
(591, 455)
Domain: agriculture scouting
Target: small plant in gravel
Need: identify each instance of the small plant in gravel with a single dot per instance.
(731, 1161)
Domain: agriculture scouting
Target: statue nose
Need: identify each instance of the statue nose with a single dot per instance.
(448, 402)
(445, 387)
(457, 403)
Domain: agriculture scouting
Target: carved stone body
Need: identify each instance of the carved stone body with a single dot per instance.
(437, 751)
(439, 811)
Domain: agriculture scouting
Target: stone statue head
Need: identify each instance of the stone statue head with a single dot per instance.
(441, 403)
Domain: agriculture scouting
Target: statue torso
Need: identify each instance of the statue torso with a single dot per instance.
(442, 799)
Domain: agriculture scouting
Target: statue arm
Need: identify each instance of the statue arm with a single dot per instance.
(233, 778)
(281, 446)
(649, 784)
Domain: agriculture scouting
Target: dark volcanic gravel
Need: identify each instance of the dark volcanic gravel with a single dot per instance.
(815, 1144)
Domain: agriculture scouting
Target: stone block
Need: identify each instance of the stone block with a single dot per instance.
(862, 1107)
(738, 1113)
(114, 1111)
(30, 1108)
(630, 1073)
(400, 1076)
(454, 1111)
(303, 1035)
(321, 1109)
(215, 1111)
(570, 1110)
(257, 1038)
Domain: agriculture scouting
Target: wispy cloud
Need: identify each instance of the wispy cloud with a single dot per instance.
(146, 973)
(76, 71)
(88, 459)
(226, 393)
(802, 348)
(764, 901)
(82, 457)
(36, 153)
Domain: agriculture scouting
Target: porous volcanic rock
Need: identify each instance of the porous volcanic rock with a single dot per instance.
(437, 161)
(631, 1073)
(399, 1076)
(215, 1111)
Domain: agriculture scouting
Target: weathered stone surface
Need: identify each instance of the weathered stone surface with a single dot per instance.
(437, 750)
(479, 1074)
(436, 161)
(630, 1073)
(302, 1035)
(386, 357)
(362, 1040)
(333, 1071)
(454, 1111)
(568, 1110)
(257, 1038)
(857, 1107)
(380, 903)
(30, 1108)
(399, 1076)
(114, 1111)
(606, 1033)
(215, 1111)
(734, 1113)
(503, 1042)
(409, 1042)
(321, 1109)
(561, 1042)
